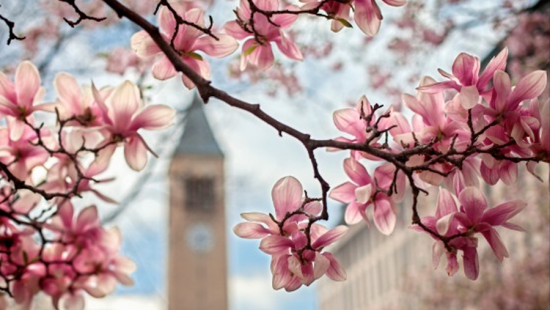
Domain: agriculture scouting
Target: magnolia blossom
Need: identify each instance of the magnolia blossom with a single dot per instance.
(187, 41)
(365, 191)
(19, 100)
(472, 217)
(466, 78)
(296, 261)
(257, 49)
(123, 114)
(367, 14)
(352, 121)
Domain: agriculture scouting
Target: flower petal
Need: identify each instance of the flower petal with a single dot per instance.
(287, 196)
(27, 83)
(473, 202)
(154, 117)
(135, 153)
(384, 216)
(143, 45)
(330, 237)
(250, 230)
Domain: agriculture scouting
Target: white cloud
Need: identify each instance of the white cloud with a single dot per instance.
(127, 302)
(252, 292)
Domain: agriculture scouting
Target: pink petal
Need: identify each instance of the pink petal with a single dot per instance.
(496, 63)
(250, 230)
(69, 92)
(344, 192)
(216, 48)
(287, 196)
(444, 223)
(321, 265)
(143, 45)
(445, 203)
(135, 153)
(335, 271)
(349, 121)
(356, 172)
(438, 248)
(262, 57)
(473, 202)
(418, 107)
(354, 213)
(529, 87)
(27, 84)
(363, 193)
(494, 240)
(163, 69)
(469, 96)
(384, 216)
(330, 237)
(281, 272)
(490, 175)
(124, 102)
(503, 212)
(396, 3)
(513, 226)
(508, 172)
(86, 218)
(289, 48)
(313, 208)
(154, 117)
(233, 29)
(502, 88)
(295, 267)
(276, 245)
(471, 263)
(452, 264)
(286, 20)
(167, 22)
(466, 69)
(367, 16)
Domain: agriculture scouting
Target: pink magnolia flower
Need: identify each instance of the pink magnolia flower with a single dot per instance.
(430, 122)
(295, 260)
(20, 154)
(363, 192)
(505, 105)
(466, 78)
(445, 224)
(74, 101)
(106, 267)
(351, 121)
(81, 231)
(187, 42)
(18, 100)
(124, 114)
(257, 50)
(475, 217)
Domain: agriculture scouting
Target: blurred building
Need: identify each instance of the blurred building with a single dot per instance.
(382, 271)
(197, 259)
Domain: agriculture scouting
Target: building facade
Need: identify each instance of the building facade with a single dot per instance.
(382, 271)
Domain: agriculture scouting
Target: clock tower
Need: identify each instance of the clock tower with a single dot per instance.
(197, 260)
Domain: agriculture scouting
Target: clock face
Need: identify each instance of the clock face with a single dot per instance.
(200, 238)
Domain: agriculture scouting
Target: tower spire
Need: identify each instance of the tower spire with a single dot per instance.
(197, 138)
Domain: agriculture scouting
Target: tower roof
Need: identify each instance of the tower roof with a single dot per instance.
(197, 137)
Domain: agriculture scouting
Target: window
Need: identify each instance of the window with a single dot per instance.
(199, 193)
